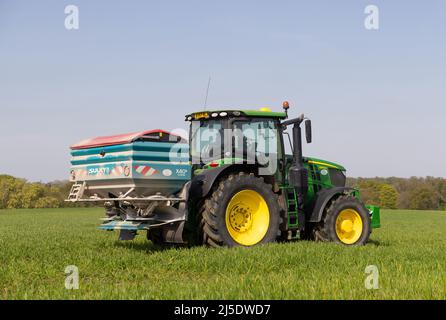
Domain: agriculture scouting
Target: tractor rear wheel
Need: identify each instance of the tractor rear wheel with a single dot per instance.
(345, 221)
(242, 211)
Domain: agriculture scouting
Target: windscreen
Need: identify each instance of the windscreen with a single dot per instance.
(206, 140)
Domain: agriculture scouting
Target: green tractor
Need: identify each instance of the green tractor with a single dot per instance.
(237, 186)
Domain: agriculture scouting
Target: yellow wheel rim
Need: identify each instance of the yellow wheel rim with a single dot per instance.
(247, 217)
(349, 226)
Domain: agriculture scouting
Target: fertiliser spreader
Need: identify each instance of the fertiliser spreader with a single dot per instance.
(138, 176)
(231, 185)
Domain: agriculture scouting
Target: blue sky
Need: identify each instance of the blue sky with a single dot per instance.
(377, 98)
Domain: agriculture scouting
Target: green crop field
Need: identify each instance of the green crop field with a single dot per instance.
(36, 246)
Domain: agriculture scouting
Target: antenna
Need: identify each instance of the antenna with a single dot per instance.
(207, 93)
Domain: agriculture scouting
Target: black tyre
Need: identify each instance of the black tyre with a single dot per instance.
(242, 211)
(156, 236)
(346, 220)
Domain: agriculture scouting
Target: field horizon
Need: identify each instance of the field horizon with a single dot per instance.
(38, 244)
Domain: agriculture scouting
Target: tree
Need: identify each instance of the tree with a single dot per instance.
(424, 198)
(31, 192)
(14, 189)
(6, 184)
(47, 202)
(388, 196)
(370, 191)
(404, 200)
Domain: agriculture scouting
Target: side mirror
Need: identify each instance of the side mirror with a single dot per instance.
(308, 133)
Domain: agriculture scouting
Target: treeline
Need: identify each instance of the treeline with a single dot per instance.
(400, 193)
(18, 193)
(389, 193)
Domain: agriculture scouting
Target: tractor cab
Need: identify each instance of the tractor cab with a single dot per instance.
(247, 137)
(253, 138)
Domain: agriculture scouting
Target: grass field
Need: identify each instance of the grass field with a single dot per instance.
(36, 246)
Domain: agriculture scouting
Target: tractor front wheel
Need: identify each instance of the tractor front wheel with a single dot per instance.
(345, 221)
(242, 211)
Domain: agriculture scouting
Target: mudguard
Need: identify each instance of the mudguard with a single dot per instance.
(322, 199)
(202, 183)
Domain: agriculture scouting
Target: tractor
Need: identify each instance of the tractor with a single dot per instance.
(231, 184)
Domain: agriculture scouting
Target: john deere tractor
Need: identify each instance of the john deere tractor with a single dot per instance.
(232, 184)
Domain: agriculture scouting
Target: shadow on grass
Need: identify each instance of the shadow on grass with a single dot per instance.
(147, 247)
(378, 243)
(370, 242)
